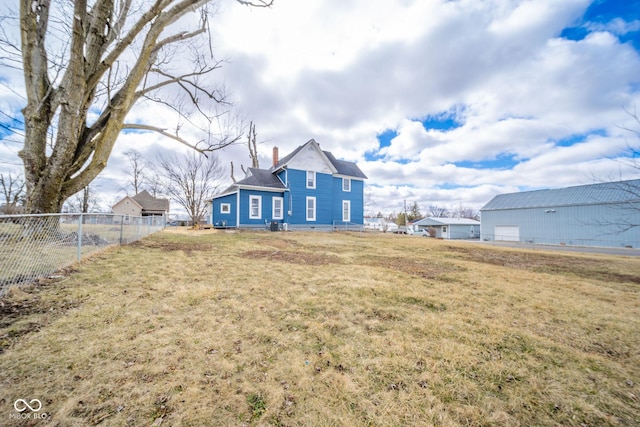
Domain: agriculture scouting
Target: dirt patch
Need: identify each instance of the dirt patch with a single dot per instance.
(277, 243)
(298, 257)
(409, 265)
(168, 246)
(22, 311)
(544, 263)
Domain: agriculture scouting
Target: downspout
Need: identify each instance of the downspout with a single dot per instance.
(238, 209)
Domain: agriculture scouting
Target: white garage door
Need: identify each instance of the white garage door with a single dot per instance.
(509, 233)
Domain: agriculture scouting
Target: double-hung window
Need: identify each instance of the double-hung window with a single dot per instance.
(346, 184)
(311, 179)
(311, 208)
(277, 208)
(346, 211)
(255, 207)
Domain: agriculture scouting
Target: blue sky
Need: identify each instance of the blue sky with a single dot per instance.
(440, 102)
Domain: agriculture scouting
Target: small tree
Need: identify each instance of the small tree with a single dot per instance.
(137, 164)
(436, 211)
(414, 212)
(191, 180)
(84, 201)
(13, 192)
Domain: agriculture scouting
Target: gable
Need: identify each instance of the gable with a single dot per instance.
(311, 158)
(123, 203)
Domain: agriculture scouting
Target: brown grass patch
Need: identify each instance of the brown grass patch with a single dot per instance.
(299, 329)
(558, 263)
(305, 258)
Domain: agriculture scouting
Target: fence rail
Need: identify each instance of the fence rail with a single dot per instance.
(35, 246)
(347, 226)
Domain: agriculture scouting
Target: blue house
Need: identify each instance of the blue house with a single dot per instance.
(308, 188)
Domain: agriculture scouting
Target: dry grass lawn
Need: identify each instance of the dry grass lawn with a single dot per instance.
(326, 329)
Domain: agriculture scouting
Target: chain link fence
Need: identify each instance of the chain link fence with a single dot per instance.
(35, 246)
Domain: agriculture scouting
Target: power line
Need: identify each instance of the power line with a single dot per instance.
(14, 118)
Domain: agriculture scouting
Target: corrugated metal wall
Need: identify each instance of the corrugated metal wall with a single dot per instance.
(585, 225)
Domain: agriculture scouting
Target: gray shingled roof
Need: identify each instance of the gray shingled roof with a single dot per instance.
(283, 161)
(607, 192)
(261, 178)
(150, 203)
(345, 168)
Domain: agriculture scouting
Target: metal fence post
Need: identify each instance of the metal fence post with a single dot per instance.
(121, 228)
(79, 237)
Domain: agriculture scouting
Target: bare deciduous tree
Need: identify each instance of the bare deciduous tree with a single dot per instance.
(13, 192)
(191, 180)
(84, 201)
(88, 63)
(436, 211)
(625, 214)
(136, 173)
(253, 151)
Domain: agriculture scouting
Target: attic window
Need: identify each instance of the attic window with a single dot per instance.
(311, 179)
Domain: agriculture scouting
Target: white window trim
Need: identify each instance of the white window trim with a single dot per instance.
(346, 203)
(225, 208)
(344, 181)
(251, 199)
(307, 209)
(313, 174)
(273, 208)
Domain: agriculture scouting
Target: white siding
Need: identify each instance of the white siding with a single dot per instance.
(310, 160)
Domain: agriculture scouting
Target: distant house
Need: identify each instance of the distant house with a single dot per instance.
(603, 214)
(451, 228)
(308, 188)
(142, 204)
(380, 224)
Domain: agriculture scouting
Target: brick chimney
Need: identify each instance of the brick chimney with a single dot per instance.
(275, 157)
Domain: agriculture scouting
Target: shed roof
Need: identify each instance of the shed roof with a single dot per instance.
(601, 193)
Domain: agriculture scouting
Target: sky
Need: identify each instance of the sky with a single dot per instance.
(439, 102)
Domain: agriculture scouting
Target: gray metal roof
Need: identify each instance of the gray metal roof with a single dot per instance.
(446, 221)
(606, 192)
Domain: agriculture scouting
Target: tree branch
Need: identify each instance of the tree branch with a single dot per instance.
(209, 148)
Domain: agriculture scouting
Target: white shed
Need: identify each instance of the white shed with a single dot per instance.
(451, 228)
